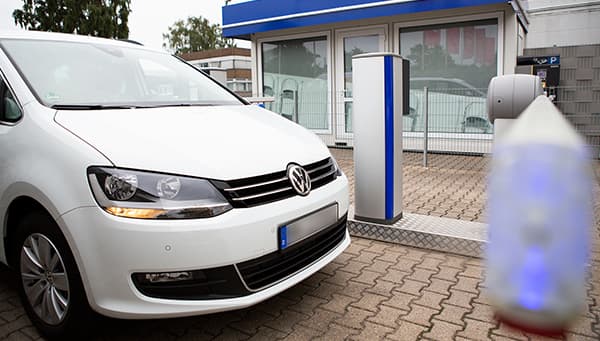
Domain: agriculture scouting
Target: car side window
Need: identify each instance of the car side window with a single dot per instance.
(9, 109)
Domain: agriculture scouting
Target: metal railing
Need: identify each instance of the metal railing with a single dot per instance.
(441, 121)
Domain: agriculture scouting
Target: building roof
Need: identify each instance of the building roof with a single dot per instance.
(230, 51)
(243, 19)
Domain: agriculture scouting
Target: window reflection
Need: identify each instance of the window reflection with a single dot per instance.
(295, 74)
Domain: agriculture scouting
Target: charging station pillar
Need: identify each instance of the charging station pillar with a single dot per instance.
(380, 96)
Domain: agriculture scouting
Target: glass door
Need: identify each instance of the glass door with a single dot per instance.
(348, 44)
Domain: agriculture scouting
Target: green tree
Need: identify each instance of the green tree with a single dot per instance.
(101, 18)
(195, 34)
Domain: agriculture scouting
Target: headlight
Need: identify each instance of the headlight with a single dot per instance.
(145, 195)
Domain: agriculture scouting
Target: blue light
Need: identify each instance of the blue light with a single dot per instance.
(534, 280)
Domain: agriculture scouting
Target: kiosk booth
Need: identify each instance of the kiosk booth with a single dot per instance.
(302, 57)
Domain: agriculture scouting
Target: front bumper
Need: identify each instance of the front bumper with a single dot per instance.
(109, 250)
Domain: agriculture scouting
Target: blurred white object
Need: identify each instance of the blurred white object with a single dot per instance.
(540, 214)
(508, 96)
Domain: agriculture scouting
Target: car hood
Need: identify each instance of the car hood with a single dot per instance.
(216, 142)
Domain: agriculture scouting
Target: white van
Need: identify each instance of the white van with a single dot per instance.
(133, 184)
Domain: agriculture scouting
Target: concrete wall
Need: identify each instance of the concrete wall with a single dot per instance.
(563, 23)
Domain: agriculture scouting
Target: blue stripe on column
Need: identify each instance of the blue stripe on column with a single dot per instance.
(388, 77)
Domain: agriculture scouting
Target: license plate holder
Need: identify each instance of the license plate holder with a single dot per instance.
(299, 229)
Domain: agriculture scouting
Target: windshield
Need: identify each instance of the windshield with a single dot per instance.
(73, 74)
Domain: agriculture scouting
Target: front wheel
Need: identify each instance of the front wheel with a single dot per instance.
(51, 288)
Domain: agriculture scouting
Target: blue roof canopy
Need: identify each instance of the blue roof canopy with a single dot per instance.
(242, 19)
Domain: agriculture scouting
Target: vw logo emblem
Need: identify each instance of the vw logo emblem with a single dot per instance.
(299, 179)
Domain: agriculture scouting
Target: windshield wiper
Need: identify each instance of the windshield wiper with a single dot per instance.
(163, 105)
(92, 106)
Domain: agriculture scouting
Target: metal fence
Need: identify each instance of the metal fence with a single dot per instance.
(440, 120)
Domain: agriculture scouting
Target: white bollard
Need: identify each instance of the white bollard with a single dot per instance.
(540, 213)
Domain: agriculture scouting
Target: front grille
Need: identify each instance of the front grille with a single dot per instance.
(271, 268)
(267, 188)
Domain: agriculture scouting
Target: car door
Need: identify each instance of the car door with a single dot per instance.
(10, 115)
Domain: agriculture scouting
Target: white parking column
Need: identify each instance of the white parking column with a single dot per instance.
(380, 85)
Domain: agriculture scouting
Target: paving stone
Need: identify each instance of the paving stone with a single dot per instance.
(431, 299)
(379, 266)
(286, 321)
(366, 257)
(460, 298)
(441, 286)
(509, 332)
(12, 315)
(378, 247)
(447, 273)
(476, 330)
(249, 324)
(387, 316)
(467, 284)
(32, 332)
(355, 247)
(578, 337)
(354, 317)
(454, 262)
(369, 302)
(326, 289)
(395, 276)
(400, 300)
(442, 330)
(372, 331)
(340, 277)
(473, 271)
(17, 336)
(337, 332)
(354, 267)
(405, 265)
(355, 289)
(320, 319)
(232, 334)
(412, 287)
(421, 275)
(383, 288)
(452, 314)
(275, 305)
(339, 303)
(331, 268)
(583, 326)
(481, 312)
(420, 315)
(307, 304)
(302, 333)
(13, 326)
(296, 292)
(407, 331)
(367, 277)
(390, 256)
(315, 280)
(265, 333)
(430, 263)
(343, 258)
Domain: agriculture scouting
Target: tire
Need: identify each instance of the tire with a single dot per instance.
(49, 282)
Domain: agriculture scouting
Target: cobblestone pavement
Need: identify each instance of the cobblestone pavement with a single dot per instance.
(453, 186)
(372, 291)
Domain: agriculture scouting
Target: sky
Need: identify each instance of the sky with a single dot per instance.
(148, 19)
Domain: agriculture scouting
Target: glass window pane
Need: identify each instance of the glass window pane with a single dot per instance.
(295, 74)
(456, 62)
(352, 47)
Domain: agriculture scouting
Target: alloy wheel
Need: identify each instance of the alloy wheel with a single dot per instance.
(44, 279)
